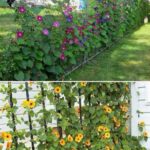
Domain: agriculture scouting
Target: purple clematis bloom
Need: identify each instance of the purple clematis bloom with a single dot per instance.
(19, 34)
(62, 56)
(39, 18)
(45, 32)
(21, 9)
(56, 24)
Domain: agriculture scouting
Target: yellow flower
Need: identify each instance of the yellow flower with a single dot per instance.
(30, 83)
(107, 109)
(107, 148)
(145, 134)
(77, 110)
(2, 134)
(106, 129)
(9, 145)
(87, 143)
(142, 123)
(114, 119)
(117, 124)
(57, 89)
(107, 135)
(83, 83)
(100, 128)
(55, 132)
(7, 137)
(25, 103)
(31, 104)
(78, 139)
(125, 109)
(80, 135)
(70, 138)
(62, 142)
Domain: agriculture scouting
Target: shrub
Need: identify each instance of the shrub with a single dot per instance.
(46, 46)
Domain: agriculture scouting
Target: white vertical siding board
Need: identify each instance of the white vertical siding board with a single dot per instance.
(134, 106)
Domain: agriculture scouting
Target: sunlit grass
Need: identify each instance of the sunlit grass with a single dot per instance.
(7, 26)
(130, 60)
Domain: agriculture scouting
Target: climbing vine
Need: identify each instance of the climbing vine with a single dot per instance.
(69, 116)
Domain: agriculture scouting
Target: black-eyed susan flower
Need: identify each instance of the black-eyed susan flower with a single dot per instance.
(107, 148)
(141, 123)
(7, 137)
(31, 104)
(107, 135)
(28, 104)
(57, 90)
(80, 135)
(145, 134)
(100, 128)
(77, 139)
(107, 109)
(83, 84)
(88, 143)
(62, 142)
(70, 138)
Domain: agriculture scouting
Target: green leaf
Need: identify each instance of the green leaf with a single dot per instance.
(47, 60)
(19, 76)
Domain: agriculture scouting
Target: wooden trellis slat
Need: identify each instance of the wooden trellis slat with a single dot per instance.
(29, 117)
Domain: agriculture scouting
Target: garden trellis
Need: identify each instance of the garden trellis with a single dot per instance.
(49, 46)
(66, 115)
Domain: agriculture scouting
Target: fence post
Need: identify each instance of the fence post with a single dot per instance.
(43, 105)
(15, 140)
(29, 117)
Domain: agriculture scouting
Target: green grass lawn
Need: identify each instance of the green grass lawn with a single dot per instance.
(129, 60)
(7, 25)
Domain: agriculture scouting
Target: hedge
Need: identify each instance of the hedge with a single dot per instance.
(46, 47)
(90, 116)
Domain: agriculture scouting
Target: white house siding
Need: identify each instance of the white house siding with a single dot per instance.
(140, 103)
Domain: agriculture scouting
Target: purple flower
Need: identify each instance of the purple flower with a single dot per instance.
(21, 9)
(56, 24)
(39, 18)
(19, 34)
(66, 13)
(45, 32)
(62, 56)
